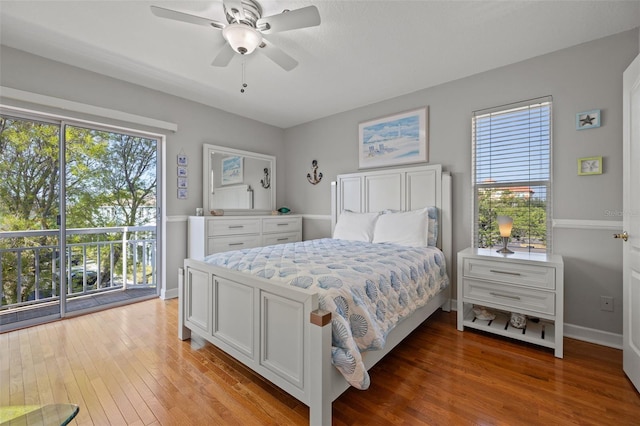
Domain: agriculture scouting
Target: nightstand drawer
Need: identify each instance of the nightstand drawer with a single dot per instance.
(512, 298)
(236, 242)
(511, 272)
(280, 224)
(233, 227)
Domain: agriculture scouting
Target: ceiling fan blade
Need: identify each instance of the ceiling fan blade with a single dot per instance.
(291, 20)
(278, 56)
(185, 17)
(223, 57)
(235, 8)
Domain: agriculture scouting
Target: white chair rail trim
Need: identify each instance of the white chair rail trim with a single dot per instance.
(317, 216)
(607, 225)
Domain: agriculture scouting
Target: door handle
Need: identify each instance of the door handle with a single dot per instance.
(624, 236)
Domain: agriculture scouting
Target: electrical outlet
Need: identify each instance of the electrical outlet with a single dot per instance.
(606, 303)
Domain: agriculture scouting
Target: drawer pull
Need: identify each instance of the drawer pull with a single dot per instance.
(495, 271)
(236, 226)
(282, 239)
(504, 295)
(235, 244)
(283, 224)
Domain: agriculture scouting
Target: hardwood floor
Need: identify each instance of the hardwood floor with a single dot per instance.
(126, 366)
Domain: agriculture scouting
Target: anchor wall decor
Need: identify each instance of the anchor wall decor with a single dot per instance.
(266, 181)
(317, 177)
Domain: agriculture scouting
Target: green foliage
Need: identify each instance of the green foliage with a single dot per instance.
(529, 218)
(109, 179)
(29, 167)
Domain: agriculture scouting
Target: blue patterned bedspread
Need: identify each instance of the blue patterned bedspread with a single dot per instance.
(368, 287)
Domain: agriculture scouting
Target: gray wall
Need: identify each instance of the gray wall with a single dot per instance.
(580, 78)
(197, 124)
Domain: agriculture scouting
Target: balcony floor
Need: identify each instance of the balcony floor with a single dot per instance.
(77, 304)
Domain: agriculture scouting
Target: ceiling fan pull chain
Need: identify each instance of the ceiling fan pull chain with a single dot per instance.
(243, 83)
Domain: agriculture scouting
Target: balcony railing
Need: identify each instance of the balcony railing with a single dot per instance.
(97, 260)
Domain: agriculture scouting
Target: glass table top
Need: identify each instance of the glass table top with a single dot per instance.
(47, 415)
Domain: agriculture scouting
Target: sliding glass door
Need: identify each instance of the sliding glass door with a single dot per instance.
(80, 239)
(111, 217)
(29, 208)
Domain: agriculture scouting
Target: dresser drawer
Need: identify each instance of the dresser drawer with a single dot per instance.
(236, 242)
(233, 227)
(513, 273)
(512, 298)
(280, 224)
(283, 238)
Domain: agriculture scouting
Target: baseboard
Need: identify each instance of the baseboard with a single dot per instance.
(591, 335)
(169, 294)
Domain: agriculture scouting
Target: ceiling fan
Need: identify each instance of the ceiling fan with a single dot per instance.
(245, 28)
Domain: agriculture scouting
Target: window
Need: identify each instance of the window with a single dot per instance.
(512, 174)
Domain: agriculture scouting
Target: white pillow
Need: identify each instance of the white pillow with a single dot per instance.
(355, 226)
(404, 228)
(432, 224)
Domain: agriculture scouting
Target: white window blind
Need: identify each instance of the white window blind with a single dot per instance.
(512, 174)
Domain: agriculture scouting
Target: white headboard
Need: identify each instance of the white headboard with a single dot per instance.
(231, 197)
(407, 188)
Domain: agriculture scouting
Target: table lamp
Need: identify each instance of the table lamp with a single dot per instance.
(505, 223)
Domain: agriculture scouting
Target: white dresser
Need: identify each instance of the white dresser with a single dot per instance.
(527, 283)
(214, 234)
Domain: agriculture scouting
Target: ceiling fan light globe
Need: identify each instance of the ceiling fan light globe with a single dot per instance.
(242, 38)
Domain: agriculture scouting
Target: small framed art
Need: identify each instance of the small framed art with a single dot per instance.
(183, 193)
(182, 171)
(588, 119)
(232, 170)
(589, 166)
(182, 160)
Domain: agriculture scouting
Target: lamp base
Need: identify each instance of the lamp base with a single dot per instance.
(504, 249)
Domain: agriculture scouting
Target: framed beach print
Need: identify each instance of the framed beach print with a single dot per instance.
(232, 171)
(395, 139)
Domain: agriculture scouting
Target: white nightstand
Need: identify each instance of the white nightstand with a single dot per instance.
(526, 283)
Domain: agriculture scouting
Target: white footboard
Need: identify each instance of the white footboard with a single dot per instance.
(274, 329)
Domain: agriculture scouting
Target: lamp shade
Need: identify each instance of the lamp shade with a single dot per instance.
(505, 223)
(242, 38)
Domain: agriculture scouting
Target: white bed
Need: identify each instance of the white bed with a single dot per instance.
(278, 330)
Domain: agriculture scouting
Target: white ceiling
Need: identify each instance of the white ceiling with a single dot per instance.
(362, 52)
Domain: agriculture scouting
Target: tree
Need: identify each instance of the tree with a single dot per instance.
(124, 179)
(529, 217)
(29, 170)
(135, 184)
